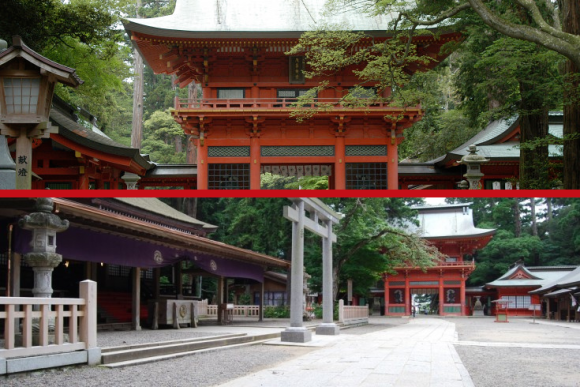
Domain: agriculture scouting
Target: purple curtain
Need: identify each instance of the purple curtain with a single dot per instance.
(94, 246)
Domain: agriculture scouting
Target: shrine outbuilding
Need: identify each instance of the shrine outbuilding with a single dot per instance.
(523, 286)
(139, 251)
(451, 229)
(498, 142)
(242, 125)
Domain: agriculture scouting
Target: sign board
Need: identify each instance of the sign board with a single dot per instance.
(535, 307)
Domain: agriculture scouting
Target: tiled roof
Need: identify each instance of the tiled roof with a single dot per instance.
(198, 18)
(541, 276)
(446, 221)
(156, 206)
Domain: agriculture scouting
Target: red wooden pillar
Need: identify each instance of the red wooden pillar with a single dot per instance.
(83, 179)
(462, 296)
(339, 164)
(407, 298)
(386, 295)
(255, 163)
(441, 295)
(202, 167)
(392, 165)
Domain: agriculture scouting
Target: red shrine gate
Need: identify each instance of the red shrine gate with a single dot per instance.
(450, 228)
(242, 126)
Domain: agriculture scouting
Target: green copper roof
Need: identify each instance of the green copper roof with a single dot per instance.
(253, 18)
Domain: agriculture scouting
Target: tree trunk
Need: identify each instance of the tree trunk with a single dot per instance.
(137, 128)
(190, 206)
(517, 219)
(535, 254)
(571, 24)
(549, 205)
(178, 144)
(534, 163)
(533, 216)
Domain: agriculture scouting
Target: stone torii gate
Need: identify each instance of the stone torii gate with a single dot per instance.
(319, 213)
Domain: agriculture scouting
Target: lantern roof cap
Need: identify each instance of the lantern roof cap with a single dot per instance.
(63, 74)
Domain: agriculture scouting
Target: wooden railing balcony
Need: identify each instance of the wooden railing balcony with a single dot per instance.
(465, 264)
(458, 263)
(267, 103)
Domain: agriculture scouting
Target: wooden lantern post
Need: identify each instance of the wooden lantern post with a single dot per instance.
(27, 82)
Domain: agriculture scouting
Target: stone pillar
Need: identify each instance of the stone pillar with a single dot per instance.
(296, 333)
(328, 327)
(23, 161)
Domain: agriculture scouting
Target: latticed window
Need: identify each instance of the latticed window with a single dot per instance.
(231, 93)
(290, 93)
(366, 176)
(228, 176)
(118, 270)
(58, 185)
(21, 95)
(518, 302)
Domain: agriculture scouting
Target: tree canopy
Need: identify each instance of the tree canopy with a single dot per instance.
(539, 26)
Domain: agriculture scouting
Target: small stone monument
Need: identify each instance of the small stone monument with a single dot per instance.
(478, 308)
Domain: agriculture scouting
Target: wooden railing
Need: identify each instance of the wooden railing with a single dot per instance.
(237, 311)
(261, 103)
(78, 314)
(352, 314)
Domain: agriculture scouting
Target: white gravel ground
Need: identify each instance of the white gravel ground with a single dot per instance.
(488, 366)
(520, 367)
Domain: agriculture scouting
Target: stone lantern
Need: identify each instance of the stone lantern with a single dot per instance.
(473, 163)
(27, 82)
(43, 258)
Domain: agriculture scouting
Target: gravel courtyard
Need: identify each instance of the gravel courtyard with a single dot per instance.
(516, 354)
(555, 361)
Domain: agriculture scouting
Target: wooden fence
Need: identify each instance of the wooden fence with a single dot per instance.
(75, 323)
(349, 315)
(237, 311)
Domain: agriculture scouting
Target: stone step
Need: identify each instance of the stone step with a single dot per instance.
(152, 359)
(169, 349)
(168, 342)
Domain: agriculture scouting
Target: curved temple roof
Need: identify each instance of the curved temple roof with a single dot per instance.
(225, 18)
(447, 221)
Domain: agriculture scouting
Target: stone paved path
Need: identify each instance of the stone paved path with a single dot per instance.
(420, 353)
